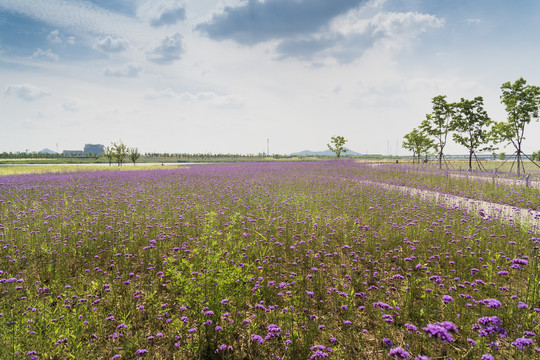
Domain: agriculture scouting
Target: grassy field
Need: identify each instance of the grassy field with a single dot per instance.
(484, 186)
(502, 167)
(72, 168)
(257, 261)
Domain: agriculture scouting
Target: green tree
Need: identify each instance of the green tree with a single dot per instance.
(418, 143)
(120, 152)
(471, 124)
(109, 154)
(522, 103)
(133, 154)
(535, 156)
(437, 124)
(338, 142)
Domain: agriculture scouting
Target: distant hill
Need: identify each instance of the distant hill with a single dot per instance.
(47, 151)
(324, 153)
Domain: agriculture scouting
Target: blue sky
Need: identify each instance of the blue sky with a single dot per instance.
(222, 76)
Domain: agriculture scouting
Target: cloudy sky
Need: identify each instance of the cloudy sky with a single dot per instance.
(222, 76)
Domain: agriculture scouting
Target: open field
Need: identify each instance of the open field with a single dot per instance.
(263, 261)
(71, 168)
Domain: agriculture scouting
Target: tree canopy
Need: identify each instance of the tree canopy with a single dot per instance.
(437, 124)
(471, 124)
(338, 148)
(133, 154)
(522, 104)
(120, 152)
(418, 143)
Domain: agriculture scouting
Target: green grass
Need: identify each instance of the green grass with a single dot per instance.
(65, 168)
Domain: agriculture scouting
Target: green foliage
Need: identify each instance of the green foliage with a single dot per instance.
(109, 154)
(133, 154)
(338, 142)
(437, 124)
(471, 124)
(418, 143)
(536, 156)
(120, 151)
(522, 104)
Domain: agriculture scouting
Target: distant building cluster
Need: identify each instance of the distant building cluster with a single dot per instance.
(89, 149)
(94, 148)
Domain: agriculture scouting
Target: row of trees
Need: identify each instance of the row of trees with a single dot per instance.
(119, 151)
(471, 126)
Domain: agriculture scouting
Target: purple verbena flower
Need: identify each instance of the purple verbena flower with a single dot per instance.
(398, 353)
(447, 298)
(522, 343)
(440, 331)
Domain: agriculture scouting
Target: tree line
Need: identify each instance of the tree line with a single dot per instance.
(118, 152)
(471, 126)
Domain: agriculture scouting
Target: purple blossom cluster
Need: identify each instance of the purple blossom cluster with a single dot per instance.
(441, 330)
(489, 325)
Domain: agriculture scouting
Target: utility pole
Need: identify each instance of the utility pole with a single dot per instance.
(268, 147)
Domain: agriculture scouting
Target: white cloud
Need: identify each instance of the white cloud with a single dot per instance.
(45, 54)
(170, 50)
(112, 44)
(130, 70)
(74, 104)
(27, 92)
(392, 24)
(165, 93)
(162, 12)
(56, 37)
(405, 24)
(203, 97)
(215, 100)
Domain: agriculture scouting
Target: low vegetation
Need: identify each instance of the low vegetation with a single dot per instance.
(256, 261)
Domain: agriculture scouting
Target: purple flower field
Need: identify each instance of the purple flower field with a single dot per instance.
(257, 261)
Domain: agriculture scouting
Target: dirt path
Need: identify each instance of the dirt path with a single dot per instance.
(479, 208)
(493, 178)
(496, 180)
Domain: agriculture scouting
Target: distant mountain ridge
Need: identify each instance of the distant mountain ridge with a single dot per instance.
(325, 153)
(47, 151)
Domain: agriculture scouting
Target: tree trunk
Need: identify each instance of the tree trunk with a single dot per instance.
(518, 159)
(440, 160)
(470, 160)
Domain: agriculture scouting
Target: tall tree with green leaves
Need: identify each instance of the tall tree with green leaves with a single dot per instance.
(437, 124)
(120, 152)
(338, 148)
(472, 126)
(522, 104)
(133, 154)
(109, 154)
(418, 143)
